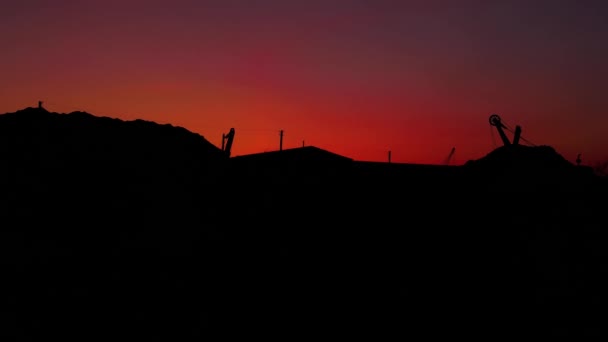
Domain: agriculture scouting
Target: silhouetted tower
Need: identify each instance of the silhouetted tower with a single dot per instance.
(227, 142)
(281, 141)
(389, 156)
(500, 127)
(39, 104)
(578, 160)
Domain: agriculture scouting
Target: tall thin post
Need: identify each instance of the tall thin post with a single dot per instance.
(302, 143)
(281, 142)
(39, 104)
(517, 135)
(389, 156)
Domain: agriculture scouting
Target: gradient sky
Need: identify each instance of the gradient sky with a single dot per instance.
(358, 77)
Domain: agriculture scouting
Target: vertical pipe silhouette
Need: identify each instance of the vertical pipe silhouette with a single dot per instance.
(39, 104)
(281, 141)
(389, 156)
(516, 135)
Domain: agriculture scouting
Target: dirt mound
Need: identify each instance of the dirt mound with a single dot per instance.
(521, 156)
(520, 163)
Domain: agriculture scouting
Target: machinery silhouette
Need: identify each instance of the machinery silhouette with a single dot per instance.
(497, 122)
(227, 139)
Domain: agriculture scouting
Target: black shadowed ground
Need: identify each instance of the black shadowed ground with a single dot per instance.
(133, 228)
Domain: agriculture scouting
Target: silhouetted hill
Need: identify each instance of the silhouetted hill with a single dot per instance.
(524, 157)
(96, 217)
(295, 165)
(52, 140)
(99, 162)
(528, 164)
(131, 228)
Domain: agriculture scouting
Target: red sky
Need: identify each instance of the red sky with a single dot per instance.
(358, 77)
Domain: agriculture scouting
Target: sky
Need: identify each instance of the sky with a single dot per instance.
(358, 78)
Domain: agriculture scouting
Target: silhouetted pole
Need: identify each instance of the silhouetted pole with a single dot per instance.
(281, 141)
(302, 143)
(516, 135)
(39, 104)
(389, 156)
(223, 140)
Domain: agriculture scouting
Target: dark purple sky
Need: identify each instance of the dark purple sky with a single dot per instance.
(355, 77)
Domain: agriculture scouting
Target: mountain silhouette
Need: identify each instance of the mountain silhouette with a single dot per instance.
(137, 229)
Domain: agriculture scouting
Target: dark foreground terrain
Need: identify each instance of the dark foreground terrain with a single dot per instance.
(138, 230)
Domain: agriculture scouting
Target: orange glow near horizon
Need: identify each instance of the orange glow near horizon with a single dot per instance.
(410, 77)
